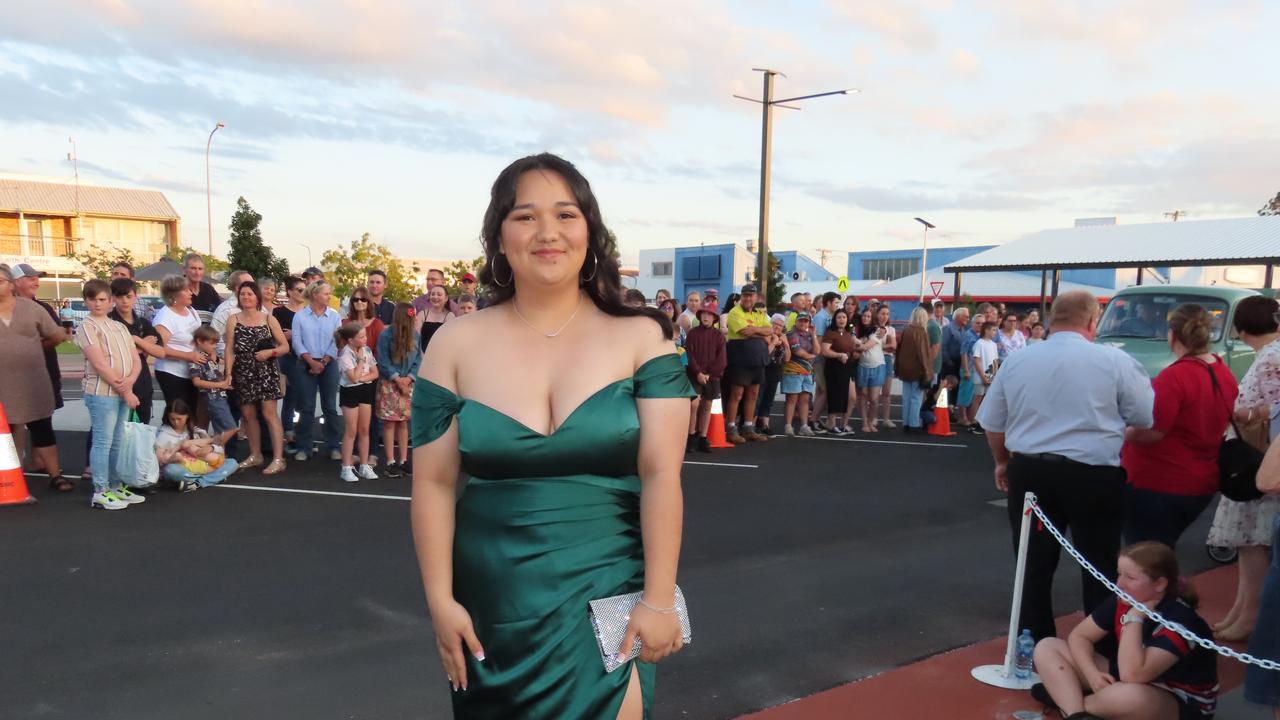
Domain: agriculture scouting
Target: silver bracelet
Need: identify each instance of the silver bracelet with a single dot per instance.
(661, 611)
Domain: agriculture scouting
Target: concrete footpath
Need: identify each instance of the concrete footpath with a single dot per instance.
(941, 686)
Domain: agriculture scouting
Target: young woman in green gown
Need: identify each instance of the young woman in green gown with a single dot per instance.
(573, 444)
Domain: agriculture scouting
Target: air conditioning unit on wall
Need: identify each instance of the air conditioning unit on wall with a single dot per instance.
(800, 276)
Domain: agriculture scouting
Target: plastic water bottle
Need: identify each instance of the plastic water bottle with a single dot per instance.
(1026, 649)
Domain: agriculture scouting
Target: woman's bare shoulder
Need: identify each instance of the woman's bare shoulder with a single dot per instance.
(641, 336)
(451, 343)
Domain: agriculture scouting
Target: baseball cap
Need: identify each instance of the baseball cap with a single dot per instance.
(778, 317)
(22, 270)
(750, 288)
(313, 270)
(802, 316)
(469, 277)
(712, 292)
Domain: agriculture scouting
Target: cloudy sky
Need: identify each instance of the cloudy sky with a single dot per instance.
(991, 118)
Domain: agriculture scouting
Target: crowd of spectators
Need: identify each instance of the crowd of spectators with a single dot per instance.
(248, 369)
(1119, 459)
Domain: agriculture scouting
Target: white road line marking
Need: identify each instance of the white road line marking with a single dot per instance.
(885, 442)
(299, 491)
(692, 462)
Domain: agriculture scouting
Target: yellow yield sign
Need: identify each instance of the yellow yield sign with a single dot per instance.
(843, 283)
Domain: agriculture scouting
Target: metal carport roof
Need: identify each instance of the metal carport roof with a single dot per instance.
(1236, 241)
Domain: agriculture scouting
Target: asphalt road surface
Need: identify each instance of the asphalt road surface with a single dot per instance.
(807, 563)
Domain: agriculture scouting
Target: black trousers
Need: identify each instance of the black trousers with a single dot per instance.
(768, 390)
(178, 388)
(1160, 516)
(1087, 500)
(838, 376)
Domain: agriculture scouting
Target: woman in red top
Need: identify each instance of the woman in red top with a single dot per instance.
(1173, 466)
(360, 309)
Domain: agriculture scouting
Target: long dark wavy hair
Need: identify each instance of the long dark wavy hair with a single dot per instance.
(598, 276)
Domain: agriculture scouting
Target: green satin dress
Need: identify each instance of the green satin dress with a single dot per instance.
(546, 524)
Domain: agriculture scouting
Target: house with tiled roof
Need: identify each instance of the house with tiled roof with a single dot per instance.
(41, 223)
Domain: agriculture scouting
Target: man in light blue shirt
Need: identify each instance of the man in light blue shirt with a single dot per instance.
(1055, 418)
(317, 370)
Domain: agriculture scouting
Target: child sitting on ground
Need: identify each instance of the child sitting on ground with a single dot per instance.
(213, 381)
(1147, 670)
(188, 456)
(949, 383)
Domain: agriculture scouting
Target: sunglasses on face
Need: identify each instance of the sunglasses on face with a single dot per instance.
(359, 300)
(297, 289)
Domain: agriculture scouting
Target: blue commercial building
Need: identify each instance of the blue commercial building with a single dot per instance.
(894, 264)
(726, 267)
(797, 268)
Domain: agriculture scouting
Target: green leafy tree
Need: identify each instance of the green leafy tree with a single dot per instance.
(99, 260)
(456, 269)
(777, 283)
(248, 252)
(213, 265)
(348, 268)
(1272, 207)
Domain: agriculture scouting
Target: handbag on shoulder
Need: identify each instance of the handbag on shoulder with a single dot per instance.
(1238, 461)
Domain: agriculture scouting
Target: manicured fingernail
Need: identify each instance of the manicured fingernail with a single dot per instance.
(480, 656)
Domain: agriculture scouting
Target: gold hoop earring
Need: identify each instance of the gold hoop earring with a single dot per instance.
(594, 265)
(493, 271)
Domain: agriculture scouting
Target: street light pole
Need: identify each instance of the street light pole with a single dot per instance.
(766, 165)
(308, 247)
(766, 171)
(208, 195)
(924, 255)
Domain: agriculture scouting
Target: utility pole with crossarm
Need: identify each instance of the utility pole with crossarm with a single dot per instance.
(766, 159)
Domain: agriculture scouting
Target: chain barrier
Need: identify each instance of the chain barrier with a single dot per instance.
(1175, 627)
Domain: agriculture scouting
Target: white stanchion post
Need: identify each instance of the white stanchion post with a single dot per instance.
(1003, 675)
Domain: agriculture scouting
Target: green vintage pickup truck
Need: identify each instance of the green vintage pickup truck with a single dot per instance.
(1135, 321)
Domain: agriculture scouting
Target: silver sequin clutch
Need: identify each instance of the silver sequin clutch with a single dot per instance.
(609, 618)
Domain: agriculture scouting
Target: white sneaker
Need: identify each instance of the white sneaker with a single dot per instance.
(806, 431)
(107, 500)
(335, 455)
(366, 473)
(789, 431)
(127, 495)
(888, 424)
(348, 475)
(301, 456)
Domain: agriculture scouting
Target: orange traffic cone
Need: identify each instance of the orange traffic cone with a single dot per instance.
(715, 431)
(941, 416)
(13, 486)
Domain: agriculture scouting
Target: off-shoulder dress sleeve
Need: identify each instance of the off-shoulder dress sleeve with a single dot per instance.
(433, 411)
(662, 377)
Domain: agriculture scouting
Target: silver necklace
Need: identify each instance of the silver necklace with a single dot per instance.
(516, 307)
